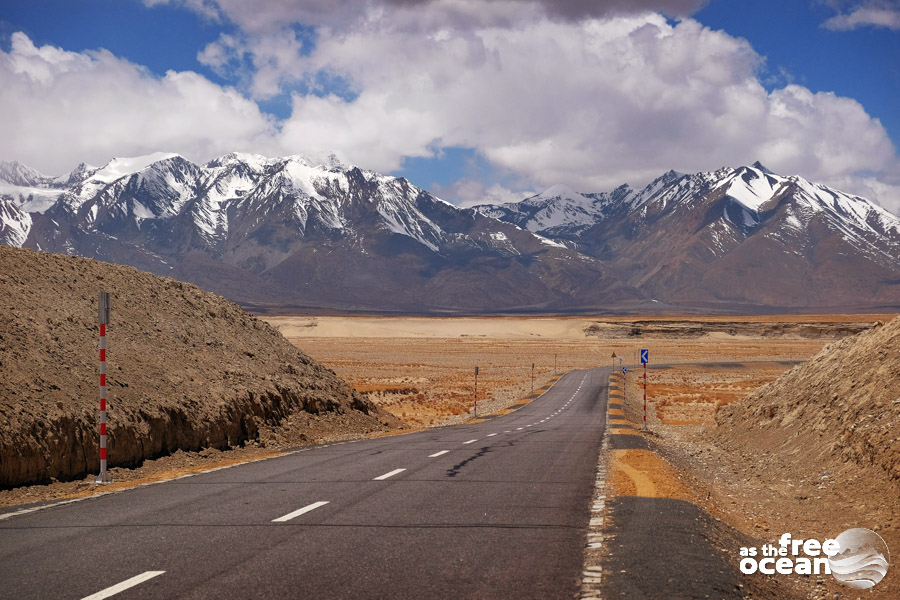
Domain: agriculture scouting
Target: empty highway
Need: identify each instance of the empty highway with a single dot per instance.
(495, 509)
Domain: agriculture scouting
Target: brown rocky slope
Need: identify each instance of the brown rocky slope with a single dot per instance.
(186, 370)
(841, 406)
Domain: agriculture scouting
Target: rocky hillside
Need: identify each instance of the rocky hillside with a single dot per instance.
(733, 237)
(295, 231)
(186, 370)
(842, 406)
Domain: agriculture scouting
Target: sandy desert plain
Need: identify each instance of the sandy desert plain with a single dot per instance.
(422, 368)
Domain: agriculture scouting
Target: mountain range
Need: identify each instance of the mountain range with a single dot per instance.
(300, 233)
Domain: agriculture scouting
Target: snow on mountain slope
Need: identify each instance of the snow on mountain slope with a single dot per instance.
(17, 174)
(120, 167)
(15, 224)
(557, 207)
(237, 191)
(741, 234)
(314, 230)
(562, 213)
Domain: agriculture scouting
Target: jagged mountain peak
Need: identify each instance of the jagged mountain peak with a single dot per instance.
(760, 167)
(238, 158)
(122, 167)
(78, 174)
(562, 191)
(16, 173)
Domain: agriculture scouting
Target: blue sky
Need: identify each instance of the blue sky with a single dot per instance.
(474, 103)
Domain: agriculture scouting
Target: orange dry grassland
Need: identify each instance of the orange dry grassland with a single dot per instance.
(690, 395)
(422, 369)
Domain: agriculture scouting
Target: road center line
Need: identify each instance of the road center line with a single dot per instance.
(470, 442)
(300, 511)
(436, 454)
(121, 587)
(491, 434)
(386, 475)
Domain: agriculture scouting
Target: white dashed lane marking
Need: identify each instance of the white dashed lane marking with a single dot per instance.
(436, 454)
(300, 511)
(390, 474)
(470, 442)
(121, 587)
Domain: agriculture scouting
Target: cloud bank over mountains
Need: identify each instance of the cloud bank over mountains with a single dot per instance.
(591, 94)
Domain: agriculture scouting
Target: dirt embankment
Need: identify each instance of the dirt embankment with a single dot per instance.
(186, 370)
(841, 405)
(697, 328)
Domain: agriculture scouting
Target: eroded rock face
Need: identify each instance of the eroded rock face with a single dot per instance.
(186, 369)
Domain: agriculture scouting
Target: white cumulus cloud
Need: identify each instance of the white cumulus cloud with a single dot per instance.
(593, 103)
(58, 108)
(590, 94)
(872, 13)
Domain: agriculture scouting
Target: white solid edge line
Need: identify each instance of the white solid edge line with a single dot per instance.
(436, 454)
(386, 475)
(470, 441)
(121, 587)
(300, 511)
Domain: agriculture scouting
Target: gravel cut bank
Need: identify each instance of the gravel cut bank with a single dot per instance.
(186, 370)
(841, 406)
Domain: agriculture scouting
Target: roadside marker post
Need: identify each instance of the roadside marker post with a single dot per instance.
(476, 392)
(624, 383)
(532, 379)
(103, 321)
(645, 358)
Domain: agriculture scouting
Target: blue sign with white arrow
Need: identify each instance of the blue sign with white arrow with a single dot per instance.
(624, 370)
(645, 356)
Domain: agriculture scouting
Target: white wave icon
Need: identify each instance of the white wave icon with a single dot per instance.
(862, 560)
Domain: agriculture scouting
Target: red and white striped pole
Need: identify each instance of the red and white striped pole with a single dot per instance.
(103, 320)
(476, 392)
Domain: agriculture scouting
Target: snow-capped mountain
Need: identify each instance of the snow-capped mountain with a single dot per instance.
(298, 231)
(744, 236)
(295, 231)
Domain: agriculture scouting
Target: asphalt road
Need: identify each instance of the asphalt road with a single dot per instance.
(497, 509)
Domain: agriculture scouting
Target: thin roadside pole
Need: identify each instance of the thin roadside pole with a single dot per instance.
(645, 358)
(103, 321)
(476, 392)
(645, 396)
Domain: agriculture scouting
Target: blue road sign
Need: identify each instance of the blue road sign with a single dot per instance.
(645, 356)
(624, 370)
(620, 361)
